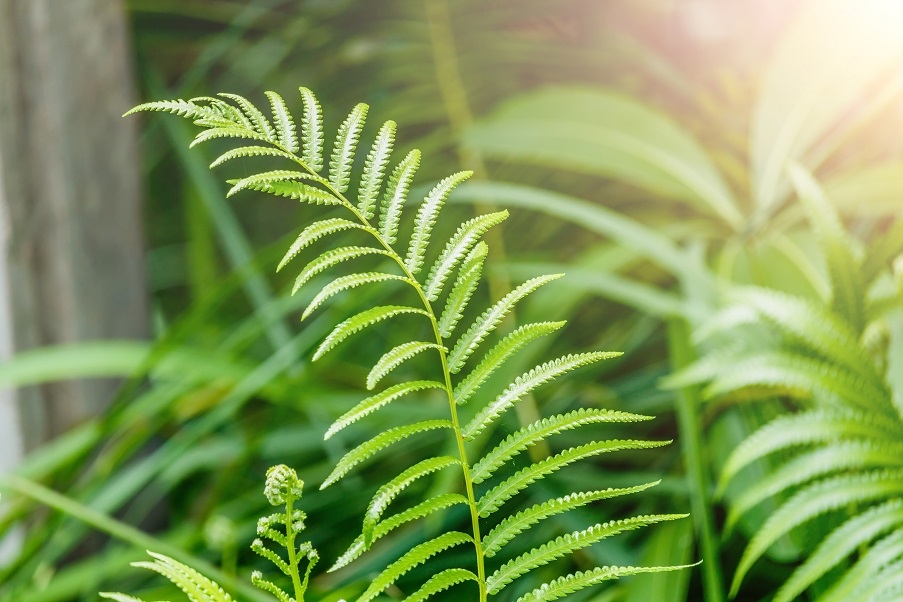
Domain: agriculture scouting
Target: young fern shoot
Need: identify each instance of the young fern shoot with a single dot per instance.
(486, 480)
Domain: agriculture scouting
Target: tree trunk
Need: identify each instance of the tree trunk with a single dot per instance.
(70, 192)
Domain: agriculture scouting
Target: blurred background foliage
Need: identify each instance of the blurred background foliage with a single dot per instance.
(642, 147)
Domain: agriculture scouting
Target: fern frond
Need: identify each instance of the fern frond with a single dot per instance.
(493, 499)
(119, 597)
(426, 219)
(381, 441)
(566, 544)
(394, 358)
(196, 586)
(441, 582)
(294, 190)
(464, 238)
(575, 582)
(529, 381)
(489, 319)
(228, 131)
(268, 177)
(343, 283)
(817, 499)
(425, 508)
(396, 195)
(374, 169)
(258, 120)
(416, 556)
(182, 108)
(330, 259)
(251, 151)
(345, 144)
(513, 342)
(465, 285)
(360, 321)
(311, 131)
(283, 122)
(375, 402)
(388, 492)
(882, 556)
(515, 524)
(842, 542)
(315, 232)
(539, 430)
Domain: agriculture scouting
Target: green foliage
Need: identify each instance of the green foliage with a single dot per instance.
(463, 253)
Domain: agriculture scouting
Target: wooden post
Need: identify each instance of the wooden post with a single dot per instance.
(70, 191)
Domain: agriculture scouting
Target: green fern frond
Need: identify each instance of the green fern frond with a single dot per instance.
(227, 131)
(311, 131)
(388, 492)
(567, 544)
(883, 556)
(490, 319)
(119, 597)
(394, 358)
(529, 381)
(539, 430)
(426, 219)
(330, 259)
(360, 321)
(345, 145)
(196, 586)
(283, 122)
(513, 342)
(416, 556)
(344, 283)
(258, 120)
(516, 524)
(374, 169)
(315, 232)
(457, 248)
(493, 499)
(384, 527)
(441, 582)
(381, 441)
(396, 195)
(575, 582)
(294, 190)
(255, 181)
(465, 284)
(182, 108)
(375, 402)
(251, 151)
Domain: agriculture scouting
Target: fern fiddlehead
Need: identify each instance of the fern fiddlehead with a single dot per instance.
(460, 261)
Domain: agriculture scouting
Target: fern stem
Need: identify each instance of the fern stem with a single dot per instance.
(292, 552)
(687, 409)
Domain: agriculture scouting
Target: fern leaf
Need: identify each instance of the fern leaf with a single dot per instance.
(226, 132)
(566, 544)
(426, 219)
(379, 442)
(882, 557)
(118, 597)
(527, 382)
(416, 556)
(375, 402)
(498, 355)
(294, 190)
(229, 112)
(311, 131)
(575, 582)
(463, 289)
(425, 508)
(388, 492)
(489, 319)
(441, 582)
(837, 457)
(374, 169)
(332, 258)
(539, 430)
(817, 499)
(360, 321)
(195, 585)
(806, 428)
(514, 525)
(343, 283)
(394, 358)
(251, 151)
(255, 181)
(282, 120)
(258, 120)
(465, 237)
(498, 495)
(183, 108)
(344, 147)
(844, 541)
(396, 195)
(316, 231)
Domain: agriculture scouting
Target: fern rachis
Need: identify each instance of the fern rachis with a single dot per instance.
(463, 253)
